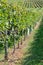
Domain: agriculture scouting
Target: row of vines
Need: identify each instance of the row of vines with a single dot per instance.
(15, 22)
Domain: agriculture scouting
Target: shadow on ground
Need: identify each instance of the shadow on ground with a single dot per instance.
(34, 55)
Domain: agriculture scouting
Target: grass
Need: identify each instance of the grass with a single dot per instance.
(34, 54)
(1, 55)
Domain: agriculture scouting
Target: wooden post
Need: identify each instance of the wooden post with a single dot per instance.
(18, 44)
(21, 41)
(13, 39)
(6, 47)
(30, 29)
